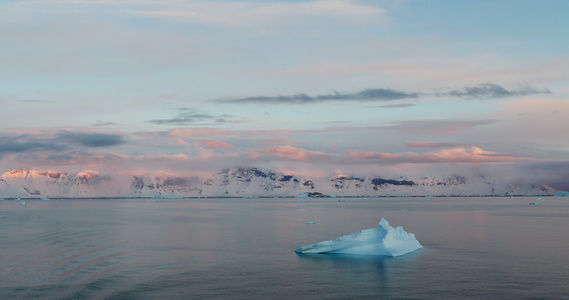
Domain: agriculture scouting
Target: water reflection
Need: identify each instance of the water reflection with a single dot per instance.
(381, 276)
(340, 262)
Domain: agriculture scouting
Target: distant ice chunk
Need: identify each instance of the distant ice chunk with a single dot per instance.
(310, 223)
(382, 240)
(166, 197)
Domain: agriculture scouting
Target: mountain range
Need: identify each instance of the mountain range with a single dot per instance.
(249, 182)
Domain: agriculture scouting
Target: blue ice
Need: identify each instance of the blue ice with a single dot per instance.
(383, 240)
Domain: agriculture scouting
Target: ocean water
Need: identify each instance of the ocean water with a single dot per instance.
(474, 248)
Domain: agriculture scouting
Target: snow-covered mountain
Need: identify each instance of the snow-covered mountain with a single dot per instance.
(248, 182)
(36, 184)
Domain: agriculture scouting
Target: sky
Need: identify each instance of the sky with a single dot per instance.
(315, 88)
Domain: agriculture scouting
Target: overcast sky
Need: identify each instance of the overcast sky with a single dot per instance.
(319, 88)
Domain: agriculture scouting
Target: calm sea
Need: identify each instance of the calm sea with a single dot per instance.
(474, 248)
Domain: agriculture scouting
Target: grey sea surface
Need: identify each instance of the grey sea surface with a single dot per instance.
(474, 248)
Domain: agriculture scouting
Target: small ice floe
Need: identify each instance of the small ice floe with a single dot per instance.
(20, 202)
(310, 223)
(299, 202)
(150, 201)
(166, 197)
(533, 203)
(345, 200)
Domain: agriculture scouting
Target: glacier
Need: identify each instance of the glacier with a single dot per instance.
(383, 240)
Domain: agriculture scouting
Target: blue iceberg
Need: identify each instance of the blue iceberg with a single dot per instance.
(383, 240)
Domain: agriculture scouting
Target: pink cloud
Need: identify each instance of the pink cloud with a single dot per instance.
(79, 160)
(292, 153)
(204, 157)
(180, 142)
(270, 133)
(278, 141)
(372, 155)
(429, 145)
(473, 155)
(286, 151)
(214, 144)
(470, 155)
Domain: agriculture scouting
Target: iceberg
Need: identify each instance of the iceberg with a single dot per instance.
(383, 240)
